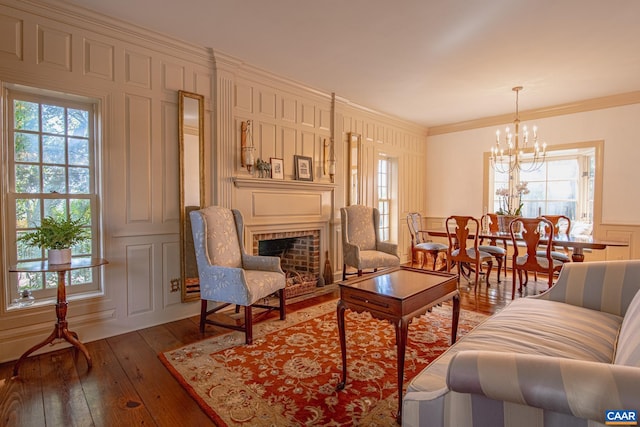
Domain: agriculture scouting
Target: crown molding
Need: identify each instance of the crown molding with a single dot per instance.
(540, 113)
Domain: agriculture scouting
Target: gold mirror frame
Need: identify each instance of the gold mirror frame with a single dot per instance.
(192, 194)
(355, 184)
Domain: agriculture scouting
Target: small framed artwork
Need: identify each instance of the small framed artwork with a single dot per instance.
(303, 168)
(277, 168)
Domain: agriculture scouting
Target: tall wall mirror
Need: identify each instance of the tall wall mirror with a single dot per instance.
(355, 186)
(191, 129)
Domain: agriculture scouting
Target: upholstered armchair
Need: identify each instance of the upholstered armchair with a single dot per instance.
(361, 245)
(228, 275)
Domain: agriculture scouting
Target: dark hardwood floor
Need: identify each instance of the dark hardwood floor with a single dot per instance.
(129, 386)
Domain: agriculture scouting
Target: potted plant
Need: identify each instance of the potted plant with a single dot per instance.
(57, 235)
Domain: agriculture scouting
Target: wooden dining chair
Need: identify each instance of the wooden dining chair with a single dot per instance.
(561, 225)
(462, 232)
(420, 242)
(500, 254)
(532, 259)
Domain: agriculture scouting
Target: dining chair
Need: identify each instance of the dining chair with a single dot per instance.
(227, 274)
(361, 244)
(500, 254)
(461, 230)
(561, 225)
(533, 260)
(420, 242)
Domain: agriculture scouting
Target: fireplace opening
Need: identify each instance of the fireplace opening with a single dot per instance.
(299, 254)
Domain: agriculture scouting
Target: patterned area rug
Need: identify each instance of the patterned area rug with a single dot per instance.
(288, 377)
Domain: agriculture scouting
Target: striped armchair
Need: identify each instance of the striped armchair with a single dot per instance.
(556, 359)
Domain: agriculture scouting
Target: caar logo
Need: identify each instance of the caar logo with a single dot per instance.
(621, 418)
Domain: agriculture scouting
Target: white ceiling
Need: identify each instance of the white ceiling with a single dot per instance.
(430, 62)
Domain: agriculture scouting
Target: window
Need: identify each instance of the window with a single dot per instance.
(564, 185)
(52, 172)
(387, 197)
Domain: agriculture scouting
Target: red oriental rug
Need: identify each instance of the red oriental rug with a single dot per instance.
(288, 376)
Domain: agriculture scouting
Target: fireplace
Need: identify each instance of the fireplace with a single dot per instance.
(299, 253)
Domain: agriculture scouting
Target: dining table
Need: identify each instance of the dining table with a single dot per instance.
(577, 243)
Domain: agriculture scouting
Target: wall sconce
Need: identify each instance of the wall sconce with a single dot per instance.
(246, 145)
(329, 166)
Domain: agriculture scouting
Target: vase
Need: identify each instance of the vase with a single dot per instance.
(59, 256)
(504, 221)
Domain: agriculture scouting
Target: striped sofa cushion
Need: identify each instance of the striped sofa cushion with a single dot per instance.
(628, 351)
(528, 326)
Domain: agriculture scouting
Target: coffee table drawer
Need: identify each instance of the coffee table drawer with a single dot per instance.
(370, 301)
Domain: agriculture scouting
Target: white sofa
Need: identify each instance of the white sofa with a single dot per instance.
(561, 358)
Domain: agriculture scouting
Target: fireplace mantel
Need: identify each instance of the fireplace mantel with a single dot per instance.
(282, 184)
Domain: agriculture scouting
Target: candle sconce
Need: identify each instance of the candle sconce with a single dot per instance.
(329, 166)
(246, 145)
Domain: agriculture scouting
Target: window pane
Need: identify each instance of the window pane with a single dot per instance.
(53, 119)
(53, 178)
(78, 180)
(563, 169)
(27, 252)
(53, 149)
(80, 209)
(27, 213)
(25, 116)
(27, 178)
(26, 147)
(56, 208)
(78, 122)
(29, 281)
(78, 152)
(558, 190)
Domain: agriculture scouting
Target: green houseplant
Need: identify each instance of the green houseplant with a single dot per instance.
(57, 235)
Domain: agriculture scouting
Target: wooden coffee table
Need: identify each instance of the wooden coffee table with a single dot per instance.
(396, 295)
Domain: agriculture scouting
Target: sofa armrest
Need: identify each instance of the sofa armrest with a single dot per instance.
(579, 388)
(607, 286)
(387, 247)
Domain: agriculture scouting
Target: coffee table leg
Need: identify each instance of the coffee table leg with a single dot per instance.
(455, 318)
(343, 344)
(402, 330)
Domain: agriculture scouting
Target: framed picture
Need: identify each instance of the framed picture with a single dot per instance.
(277, 168)
(303, 168)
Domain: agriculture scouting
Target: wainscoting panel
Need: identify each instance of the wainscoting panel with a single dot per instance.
(98, 59)
(54, 48)
(137, 69)
(138, 167)
(139, 279)
(11, 41)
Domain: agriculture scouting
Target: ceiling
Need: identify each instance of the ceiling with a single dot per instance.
(429, 62)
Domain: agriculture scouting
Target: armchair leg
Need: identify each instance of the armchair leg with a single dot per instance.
(248, 325)
(344, 272)
(203, 314)
(283, 306)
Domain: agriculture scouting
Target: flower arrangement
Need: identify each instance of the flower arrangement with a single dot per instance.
(508, 201)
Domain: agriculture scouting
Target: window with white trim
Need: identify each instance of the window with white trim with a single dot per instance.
(384, 197)
(52, 172)
(563, 185)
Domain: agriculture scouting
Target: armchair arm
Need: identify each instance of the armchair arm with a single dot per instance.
(575, 387)
(351, 254)
(607, 286)
(261, 262)
(390, 248)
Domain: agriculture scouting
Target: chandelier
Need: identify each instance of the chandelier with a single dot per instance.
(510, 156)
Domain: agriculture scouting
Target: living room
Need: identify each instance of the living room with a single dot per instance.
(133, 76)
